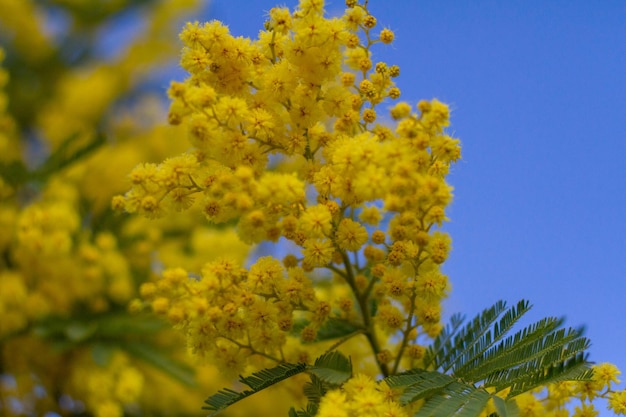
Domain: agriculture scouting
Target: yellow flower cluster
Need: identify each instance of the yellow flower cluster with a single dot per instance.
(230, 314)
(286, 144)
(107, 390)
(361, 396)
(47, 251)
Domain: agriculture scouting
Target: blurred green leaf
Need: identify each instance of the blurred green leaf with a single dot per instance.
(102, 353)
(14, 173)
(125, 324)
(335, 328)
(160, 359)
(333, 368)
(77, 331)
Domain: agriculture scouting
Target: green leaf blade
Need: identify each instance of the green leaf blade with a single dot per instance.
(430, 383)
(258, 381)
(160, 360)
(475, 404)
(333, 368)
(505, 408)
(448, 402)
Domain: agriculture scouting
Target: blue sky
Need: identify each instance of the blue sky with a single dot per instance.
(538, 97)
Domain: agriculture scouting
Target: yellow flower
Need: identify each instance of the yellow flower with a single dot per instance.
(262, 315)
(316, 221)
(617, 402)
(317, 252)
(350, 235)
(370, 215)
(266, 275)
(333, 404)
(439, 246)
(129, 385)
(605, 373)
(386, 36)
(354, 17)
(280, 19)
(585, 410)
(109, 409)
(390, 317)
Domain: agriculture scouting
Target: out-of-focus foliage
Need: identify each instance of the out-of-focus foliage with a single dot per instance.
(78, 110)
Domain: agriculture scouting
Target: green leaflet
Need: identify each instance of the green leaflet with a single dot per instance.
(333, 328)
(450, 402)
(331, 368)
(314, 391)
(419, 384)
(106, 333)
(109, 326)
(16, 173)
(156, 357)
(505, 408)
(258, 381)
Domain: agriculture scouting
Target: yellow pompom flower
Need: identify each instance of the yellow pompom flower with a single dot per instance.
(129, 385)
(350, 235)
(316, 221)
(317, 252)
(280, 19)
(386, 36)
(585, 410)
(333, 404)
(109, 409)
(266, 275)
(606, 373)
(617, 402)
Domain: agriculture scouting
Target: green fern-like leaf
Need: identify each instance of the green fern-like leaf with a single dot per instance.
(333, 368)
(257, 381)
(473, 404)
(464, 361)
(445, 396)
(419, 384)
(448, 403)
(538, 354)
(314, 389)
(447, 351)
(300, 413)
(405, 379)
(488, 337)
(437, 349)
(453, 351)
(505, 408)
(574, 369)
